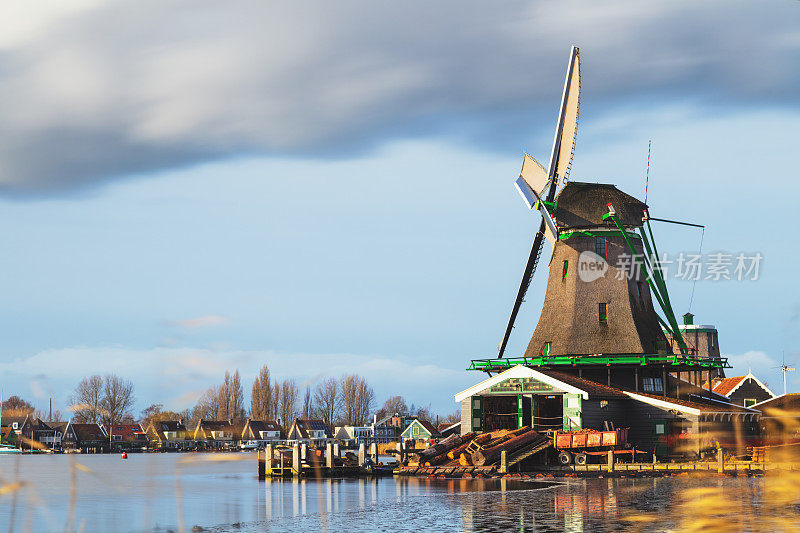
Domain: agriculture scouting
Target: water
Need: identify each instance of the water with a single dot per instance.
(221, 492)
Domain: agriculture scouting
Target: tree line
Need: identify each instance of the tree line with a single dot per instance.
(346, 400)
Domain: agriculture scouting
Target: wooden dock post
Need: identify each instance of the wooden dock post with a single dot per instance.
(304, 452)
(720, 462)
(296, 460)
(373, 452)
(268, 458)
(361, 455)
(503, 462)
(336, 449)
(262, 468)
(610, 460)
(329, 456)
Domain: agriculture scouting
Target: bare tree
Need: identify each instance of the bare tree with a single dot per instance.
(275, 400)
(357, 400)
(16, 406)
(261, 406)
(393, 405)
(237, 412)
(224, 401)
(150, 413)
(85, 400)
(453, 417)
(327, 400)
(307, 403)
(207, 406)
(117, 400)
(288, 401)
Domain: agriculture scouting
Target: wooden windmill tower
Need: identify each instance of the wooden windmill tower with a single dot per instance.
(598, 311)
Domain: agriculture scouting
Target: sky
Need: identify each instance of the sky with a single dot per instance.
(193, 187)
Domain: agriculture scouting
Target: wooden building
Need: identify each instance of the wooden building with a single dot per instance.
(312, 430)
(419, 430)
(549, 400)
(169, 435)
(742, 390)
(262, 431)
(780, 419)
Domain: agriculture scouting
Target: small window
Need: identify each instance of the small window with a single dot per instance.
(546, 349)
(573, 403)
(749, 402)
(652, 385)
(602, 310)
(600, 246)
(564, 271)
(660, 428)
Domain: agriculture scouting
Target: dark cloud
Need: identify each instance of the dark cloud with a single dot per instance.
(110, 90)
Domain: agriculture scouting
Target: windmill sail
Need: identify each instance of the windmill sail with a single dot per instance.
(567, 129)
(529, 184)
(535, 176)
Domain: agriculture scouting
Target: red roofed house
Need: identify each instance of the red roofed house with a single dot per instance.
(742, 390)
(127, 435)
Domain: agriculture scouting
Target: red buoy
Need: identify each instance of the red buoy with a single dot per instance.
(124, 455)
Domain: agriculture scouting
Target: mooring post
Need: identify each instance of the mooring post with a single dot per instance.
(262, 473)
(296, 460)
(336, 449)
(720, 462)
(362, 454)
(329, 455)
(610, 460)
(304, 452)
(268, 457)
(373, 452)
(503, 462)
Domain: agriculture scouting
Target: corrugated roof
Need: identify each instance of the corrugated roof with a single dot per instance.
(784, 401)
(707, 407)
(593, 388)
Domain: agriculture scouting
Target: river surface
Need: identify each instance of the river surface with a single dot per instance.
(221, 492)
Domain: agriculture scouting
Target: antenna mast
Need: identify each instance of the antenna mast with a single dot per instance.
(785, 368)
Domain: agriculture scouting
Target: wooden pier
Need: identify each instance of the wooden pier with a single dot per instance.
(300, 461)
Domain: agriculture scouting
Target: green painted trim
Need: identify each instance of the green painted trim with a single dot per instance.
(485, 365)
(595, 233)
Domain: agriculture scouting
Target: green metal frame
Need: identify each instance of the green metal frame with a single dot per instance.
(487, 365)
(654, 279)
(586, 233)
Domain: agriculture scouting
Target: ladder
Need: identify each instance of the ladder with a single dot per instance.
(535, 447)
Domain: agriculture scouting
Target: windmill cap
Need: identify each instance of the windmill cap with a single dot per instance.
(582, 205)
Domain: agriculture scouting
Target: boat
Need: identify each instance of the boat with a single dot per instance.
(8, 449)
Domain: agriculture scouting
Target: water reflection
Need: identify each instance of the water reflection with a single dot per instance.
(140, 495)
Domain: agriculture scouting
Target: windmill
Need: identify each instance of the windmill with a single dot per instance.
(534, 181)
(600, 223)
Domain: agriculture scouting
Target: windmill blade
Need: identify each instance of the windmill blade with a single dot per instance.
(527, 275)
(532, 199)
(567, 126)
(534, 175)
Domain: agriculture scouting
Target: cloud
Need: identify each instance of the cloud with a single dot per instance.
(206, 321)
(757, 361)
(103, 90)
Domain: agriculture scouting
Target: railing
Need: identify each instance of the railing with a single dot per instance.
(487, 365)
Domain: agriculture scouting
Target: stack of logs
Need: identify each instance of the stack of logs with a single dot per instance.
(472, 449)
